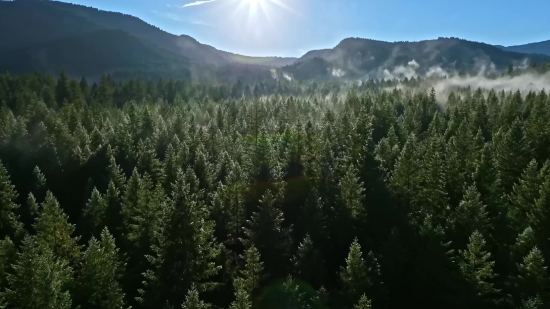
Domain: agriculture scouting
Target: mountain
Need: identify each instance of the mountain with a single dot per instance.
(93, 54)
(358, 58)
(531, 48)
(50, 35)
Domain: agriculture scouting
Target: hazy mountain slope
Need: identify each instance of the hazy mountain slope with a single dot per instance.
(531, 48)
(92, 54)
(29, 23)
(356, 58)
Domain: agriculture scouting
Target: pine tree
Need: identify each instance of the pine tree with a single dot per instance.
(532, 303)
(251, 276)
(524, 243)
(39, 279)
(405, 180)
(351, 193)
(114, 210)
(434, 200)
(185, 251)
(354, 276)
(95, 213)
(9, 224)
(7, 257)
(192, 300)
(523, 197)
(308, 263)
(477, 268)
(265, 230)
(364, 303)
(511, 155)
(99, 273)
(53, 231)
(130, 199)
(470, 215)
(538, 216)
(242, 299)
(533, 276)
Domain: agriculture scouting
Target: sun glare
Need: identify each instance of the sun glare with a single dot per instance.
(254, 2)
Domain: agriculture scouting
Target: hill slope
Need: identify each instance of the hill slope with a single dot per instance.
(92, 54)
(30, 28)
(531, 48)
(357, 58)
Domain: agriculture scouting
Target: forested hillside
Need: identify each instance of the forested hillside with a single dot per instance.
(357, 58)
(48, 36)
(163, 194)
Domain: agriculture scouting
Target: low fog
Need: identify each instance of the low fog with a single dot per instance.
(486, 78)
(525, 82)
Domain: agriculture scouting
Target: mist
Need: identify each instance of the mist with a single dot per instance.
(524, 83)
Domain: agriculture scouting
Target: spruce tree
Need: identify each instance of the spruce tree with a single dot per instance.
(477, 268)
(308, 263)
(251, 276)
(39, 279)
(354, 276)
(470, 215)
(242, 299)
(9, 223)
(192, 300)
(511, 155)
(525, 241)
(405, 180)
(265, 230)
(532, 303)
(95, 213)
(99, 273)
(7, 257)
(364, 303)
(522, 199)
(533, 276)
(185, 250)
(54, 232)
(351, 193)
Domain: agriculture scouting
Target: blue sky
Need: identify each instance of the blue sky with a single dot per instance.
(291, 27)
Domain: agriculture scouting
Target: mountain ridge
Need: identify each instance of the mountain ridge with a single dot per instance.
(542, 47)
(28, 28)
(360, 58)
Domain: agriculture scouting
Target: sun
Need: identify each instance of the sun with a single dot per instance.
(254, 2)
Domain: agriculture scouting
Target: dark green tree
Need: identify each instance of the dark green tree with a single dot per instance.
(185, 250)
(99, 273)
(39, 279)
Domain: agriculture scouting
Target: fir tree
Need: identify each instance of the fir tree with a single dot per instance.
(192, 300)
(477, 268)
(39, 279)
(354, 276)
(308, 262)
(242, 299)
(95, 213)
(8, 208)
(364, 303)
(266, 229)
(251, 276)
(54, 232)
(99, 273)
(533, 276)
(185, 250)
(523, 197)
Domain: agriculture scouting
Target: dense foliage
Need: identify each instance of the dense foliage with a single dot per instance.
(274, 195)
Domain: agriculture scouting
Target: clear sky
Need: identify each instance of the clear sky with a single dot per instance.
(291, 27)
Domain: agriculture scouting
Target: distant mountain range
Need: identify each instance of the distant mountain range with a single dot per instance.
(47, 36)
(358, 58)
(531, 48)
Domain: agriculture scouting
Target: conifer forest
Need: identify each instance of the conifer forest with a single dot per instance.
(164, 194)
